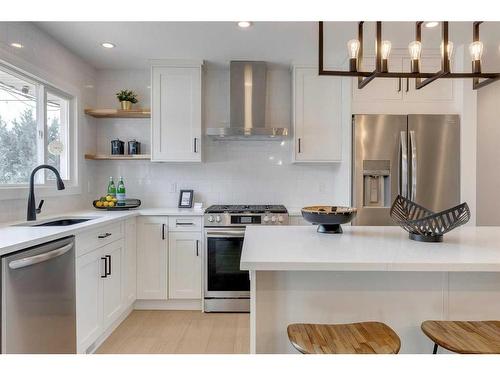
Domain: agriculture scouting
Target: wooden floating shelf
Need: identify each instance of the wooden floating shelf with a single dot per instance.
(117, 157)
(118, 113)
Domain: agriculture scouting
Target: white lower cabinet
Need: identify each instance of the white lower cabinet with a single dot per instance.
(184, 265)
(100, 298)
(130, 274)
(112, 283)
(152, 247)
(89, 299)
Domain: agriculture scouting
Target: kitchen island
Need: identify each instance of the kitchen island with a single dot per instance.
(368, 273)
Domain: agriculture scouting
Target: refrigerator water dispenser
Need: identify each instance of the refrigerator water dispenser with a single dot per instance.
(376, 183)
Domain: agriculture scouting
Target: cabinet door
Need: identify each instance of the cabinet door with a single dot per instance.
(317, 117)
(440, 90)
(130, 261)
(152, 248)
(176, 114)
(185, 254)
(113, 288)
(89, 298)
(380, 89)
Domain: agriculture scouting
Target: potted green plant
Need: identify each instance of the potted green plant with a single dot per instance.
(127, 98)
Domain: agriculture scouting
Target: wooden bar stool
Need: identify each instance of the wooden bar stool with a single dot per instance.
(354, 338)
(465, 337)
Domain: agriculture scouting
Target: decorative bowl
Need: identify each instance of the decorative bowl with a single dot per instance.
(329, 218)
(423, 224)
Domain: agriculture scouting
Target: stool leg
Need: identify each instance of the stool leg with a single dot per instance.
(435, 349)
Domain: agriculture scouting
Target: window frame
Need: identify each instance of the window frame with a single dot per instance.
(45, 187)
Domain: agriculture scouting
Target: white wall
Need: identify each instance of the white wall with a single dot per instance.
(488, 135)
(45, 58)
(488, 157)
(232, 172)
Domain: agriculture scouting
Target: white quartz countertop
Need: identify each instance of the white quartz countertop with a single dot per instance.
(14, 238)
(301, 248)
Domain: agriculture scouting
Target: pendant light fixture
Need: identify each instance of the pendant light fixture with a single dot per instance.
(385, 52)
(352, 50)
(355, 53)
(476, 52)
(415, 49)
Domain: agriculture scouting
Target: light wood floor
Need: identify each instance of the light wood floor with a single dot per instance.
(179, 332)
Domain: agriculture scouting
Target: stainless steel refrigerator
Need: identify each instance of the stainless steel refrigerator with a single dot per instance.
(417, 156)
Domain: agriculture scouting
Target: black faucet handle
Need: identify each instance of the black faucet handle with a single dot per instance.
(39, 208)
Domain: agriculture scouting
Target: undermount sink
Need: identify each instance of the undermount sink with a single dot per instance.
(58, 222)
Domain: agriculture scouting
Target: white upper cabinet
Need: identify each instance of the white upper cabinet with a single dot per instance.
(387, 89)
(440, 90)
(399, 95)
(317, 116)
(176, 111)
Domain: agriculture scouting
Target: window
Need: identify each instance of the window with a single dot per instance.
(34, 129)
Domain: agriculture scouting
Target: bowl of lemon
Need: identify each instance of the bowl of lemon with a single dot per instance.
(106, 202)
(110, 202)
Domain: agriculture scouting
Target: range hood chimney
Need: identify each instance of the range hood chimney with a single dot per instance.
(247, 105)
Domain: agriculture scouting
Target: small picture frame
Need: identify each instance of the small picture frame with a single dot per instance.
(186, 199)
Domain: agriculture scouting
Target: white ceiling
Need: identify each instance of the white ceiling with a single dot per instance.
(220, 42)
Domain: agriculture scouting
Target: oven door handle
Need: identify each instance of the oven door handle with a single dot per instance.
(226, 234)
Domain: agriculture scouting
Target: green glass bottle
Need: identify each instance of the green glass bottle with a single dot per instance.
(111, 187)
(120, 192)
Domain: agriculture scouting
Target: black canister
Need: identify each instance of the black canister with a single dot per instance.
(134, 147)
(117, 147)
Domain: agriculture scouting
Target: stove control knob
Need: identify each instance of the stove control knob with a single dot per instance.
(273, 219)
(280, 219)
(217, 219)
(266, 219)
(211, 219)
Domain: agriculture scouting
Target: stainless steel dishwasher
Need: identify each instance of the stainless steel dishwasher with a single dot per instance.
(38, 299)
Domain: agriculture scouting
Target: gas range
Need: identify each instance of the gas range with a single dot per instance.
(243, 215)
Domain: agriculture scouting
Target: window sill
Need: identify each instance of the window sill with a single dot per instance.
(21, 192)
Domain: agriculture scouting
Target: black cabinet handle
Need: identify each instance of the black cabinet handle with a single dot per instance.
(163, 231)
(195, 145)
(299, 146)
(399, 85)
(407, 84)
(108, 273)
(101, 236)
(197, 248)
(105, 267)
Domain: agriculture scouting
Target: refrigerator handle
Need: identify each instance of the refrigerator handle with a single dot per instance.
(413, 148)
(403, 166)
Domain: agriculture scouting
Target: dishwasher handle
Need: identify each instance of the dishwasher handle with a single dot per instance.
(26, 262)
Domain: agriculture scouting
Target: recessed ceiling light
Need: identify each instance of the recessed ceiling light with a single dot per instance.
(244, 24)
(108, 45)
(431, 24)
(16, 45)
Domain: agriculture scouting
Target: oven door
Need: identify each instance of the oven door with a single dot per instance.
(223, 277)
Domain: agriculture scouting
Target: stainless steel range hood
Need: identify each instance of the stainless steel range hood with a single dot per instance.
(247, 105)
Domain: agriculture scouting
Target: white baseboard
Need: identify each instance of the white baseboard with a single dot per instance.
(176, 304)
(97, 343)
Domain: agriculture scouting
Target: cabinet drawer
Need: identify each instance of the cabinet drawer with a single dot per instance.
(185, 223)
(95, 238)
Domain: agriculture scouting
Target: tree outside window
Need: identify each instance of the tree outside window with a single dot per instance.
(34, 129)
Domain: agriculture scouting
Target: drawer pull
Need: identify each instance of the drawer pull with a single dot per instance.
(107, 234)
(186, 224)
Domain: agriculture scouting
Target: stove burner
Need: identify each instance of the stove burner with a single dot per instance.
(233, 208)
